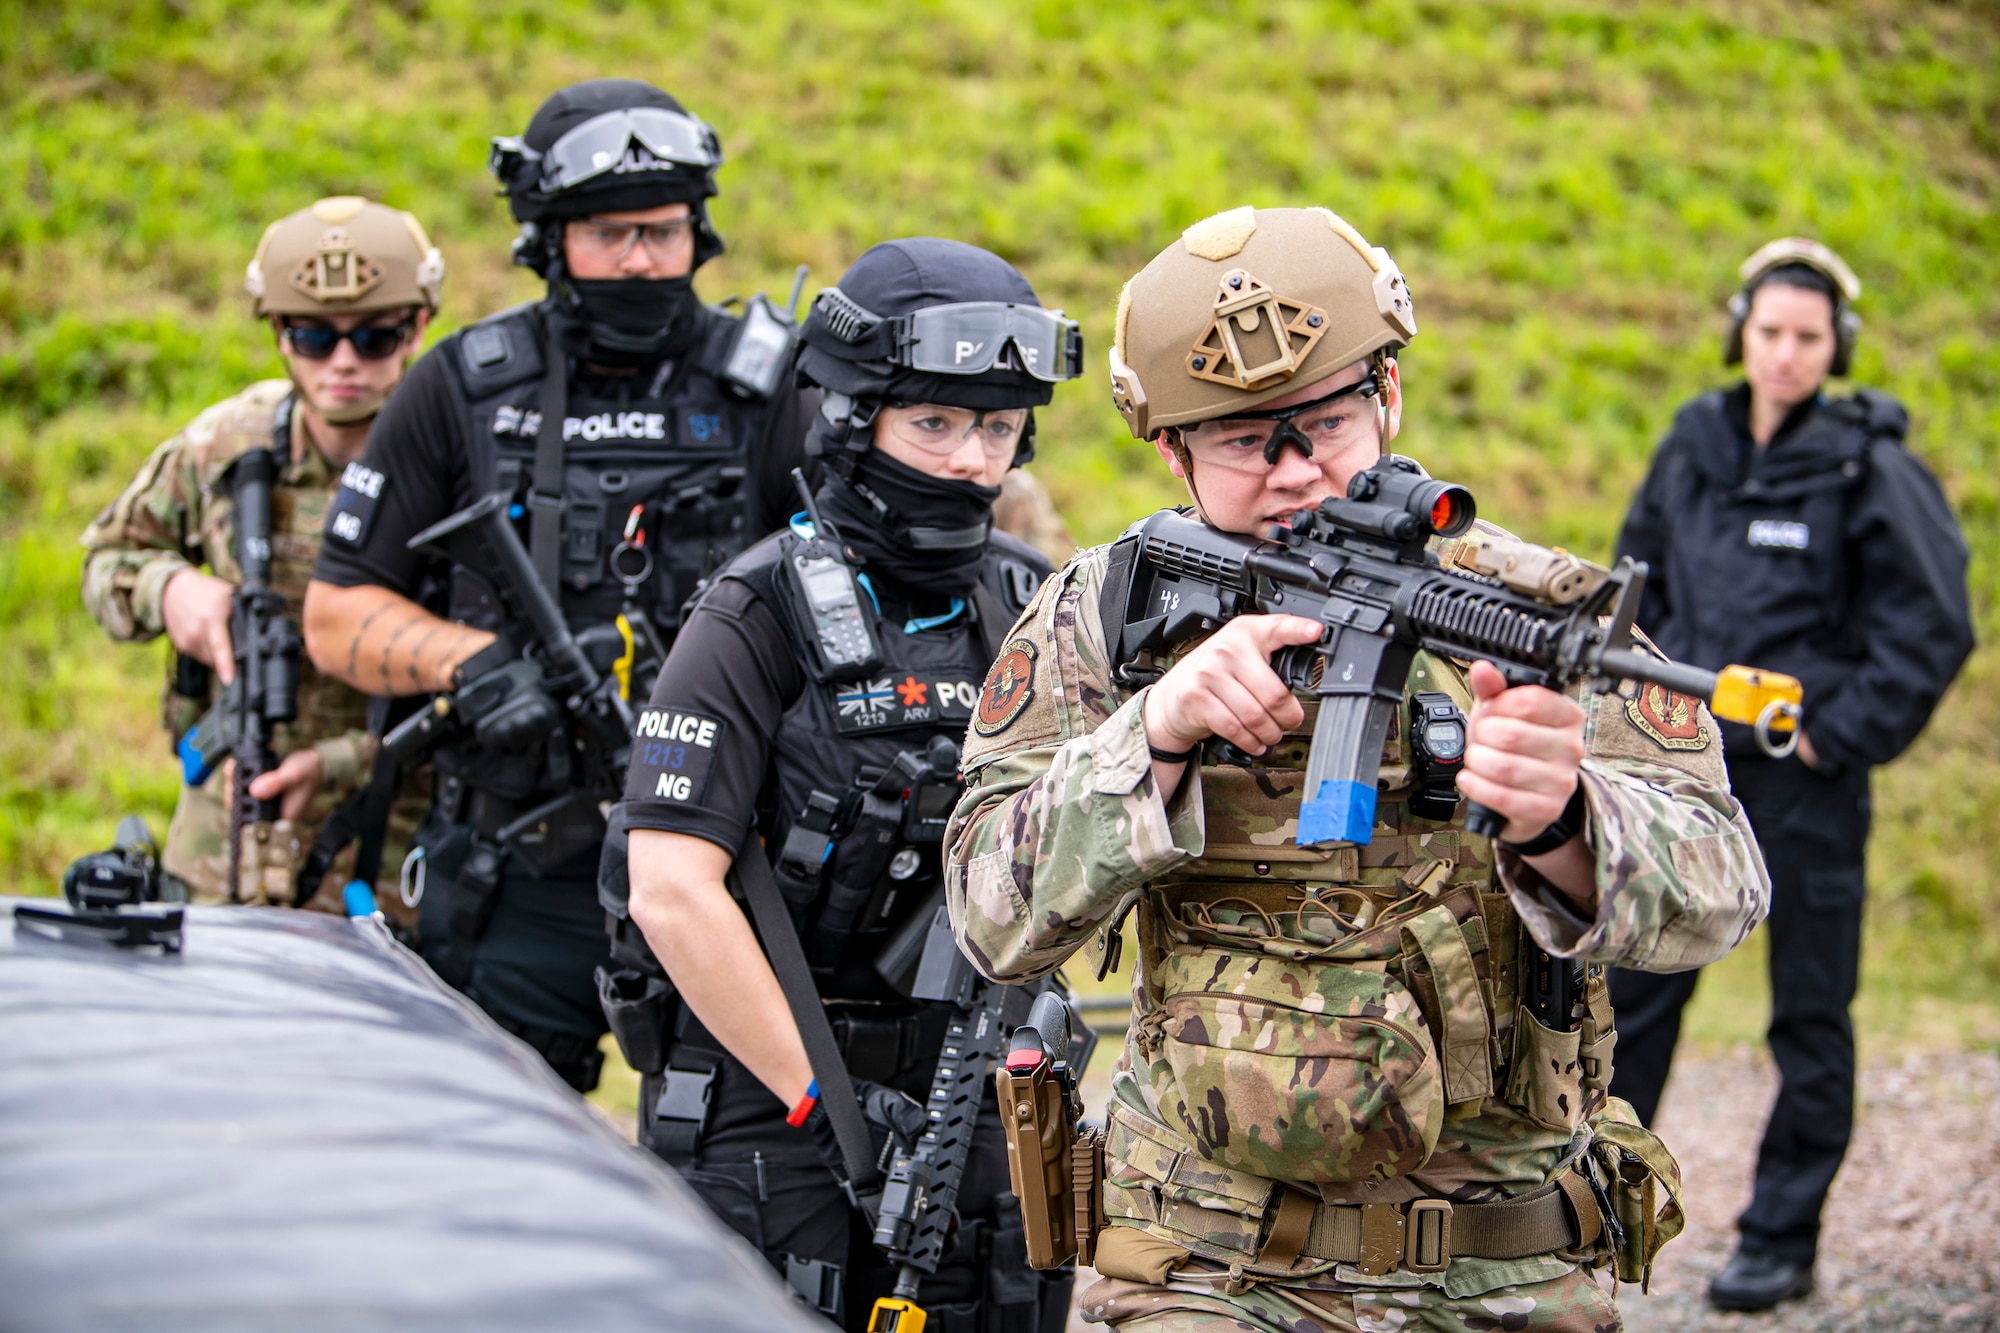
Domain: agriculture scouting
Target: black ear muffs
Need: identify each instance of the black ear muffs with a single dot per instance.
(1846, 329)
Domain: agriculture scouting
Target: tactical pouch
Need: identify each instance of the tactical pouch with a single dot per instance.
(639, 1011)
(1337, 1054)
(1598, 1035)
(1631, 1166)
(1546, 1080)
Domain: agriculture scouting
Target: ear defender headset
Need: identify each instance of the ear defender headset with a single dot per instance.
(1810, 254)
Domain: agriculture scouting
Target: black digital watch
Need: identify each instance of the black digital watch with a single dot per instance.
(1437, 753)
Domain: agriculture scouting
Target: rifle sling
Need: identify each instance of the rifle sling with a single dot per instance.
(751, 877)
(365, 813)
(993, 623)
(546, 486)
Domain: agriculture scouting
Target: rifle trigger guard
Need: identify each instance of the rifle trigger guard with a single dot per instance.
(1774, 710)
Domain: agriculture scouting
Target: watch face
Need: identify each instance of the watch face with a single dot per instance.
(1446, 740)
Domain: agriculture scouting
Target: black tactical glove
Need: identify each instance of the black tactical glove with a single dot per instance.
(895, 1122)
(500, 693)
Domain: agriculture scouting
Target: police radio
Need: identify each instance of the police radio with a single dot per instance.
(830, 598)
(762, 351)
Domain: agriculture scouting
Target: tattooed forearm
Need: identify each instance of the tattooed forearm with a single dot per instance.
(402, 627)
(354, 645)
(406, 649)
(417, 652)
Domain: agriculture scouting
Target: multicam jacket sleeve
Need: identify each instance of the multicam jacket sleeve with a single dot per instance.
(1061, 823)
(147, 535)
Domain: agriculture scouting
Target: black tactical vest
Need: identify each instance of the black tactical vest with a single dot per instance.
(669, 458)
(864, 903)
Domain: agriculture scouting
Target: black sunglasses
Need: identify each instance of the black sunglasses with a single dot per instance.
(372, 342)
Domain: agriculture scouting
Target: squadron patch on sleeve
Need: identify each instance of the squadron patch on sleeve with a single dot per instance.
(1009, 687)
(672, 753)
(1672, 720)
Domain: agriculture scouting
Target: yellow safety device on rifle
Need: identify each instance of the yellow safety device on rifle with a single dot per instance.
(1766, 700)
(892, 1315)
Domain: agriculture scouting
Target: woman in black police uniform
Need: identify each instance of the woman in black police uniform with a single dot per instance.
(1795, 530)
(773, 710)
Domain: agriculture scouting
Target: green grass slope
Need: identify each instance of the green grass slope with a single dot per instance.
(1568, 186)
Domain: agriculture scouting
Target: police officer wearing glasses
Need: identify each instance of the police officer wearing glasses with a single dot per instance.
(817, 695)
(1792, 528)
(642, 439)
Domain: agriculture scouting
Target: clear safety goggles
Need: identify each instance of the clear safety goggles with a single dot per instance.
(603, 144)
(943, 431)
(967, 338)
(1245, 442)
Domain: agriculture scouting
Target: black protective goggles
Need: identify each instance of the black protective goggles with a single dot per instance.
(372, 342)
(966, 338)
(612, 142)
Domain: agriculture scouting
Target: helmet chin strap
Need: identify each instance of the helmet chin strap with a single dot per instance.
(1180, 451)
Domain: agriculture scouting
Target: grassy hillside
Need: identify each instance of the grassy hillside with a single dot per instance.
(1568, 186)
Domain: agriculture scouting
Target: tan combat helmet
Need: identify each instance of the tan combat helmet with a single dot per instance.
(1247, 306)
(342, 256)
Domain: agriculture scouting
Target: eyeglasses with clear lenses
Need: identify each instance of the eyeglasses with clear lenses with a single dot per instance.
(372, 342)
(612, 241)
(1245, 444)
(943, 431)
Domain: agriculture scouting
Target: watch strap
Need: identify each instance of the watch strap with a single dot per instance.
(1561, 831)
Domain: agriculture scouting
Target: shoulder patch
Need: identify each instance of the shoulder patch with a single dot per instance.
(1672, 720)
(352, 513)
(672, 753)
(1009, 687)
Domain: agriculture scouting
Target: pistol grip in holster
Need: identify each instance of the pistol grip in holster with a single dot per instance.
(639, 1011)
(1039, 1120)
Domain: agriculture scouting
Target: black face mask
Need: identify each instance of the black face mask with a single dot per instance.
(635, 321)
(926, 533)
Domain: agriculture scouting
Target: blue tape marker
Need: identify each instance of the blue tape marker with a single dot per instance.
(1341, 812)
(358, 898)
(193, 771)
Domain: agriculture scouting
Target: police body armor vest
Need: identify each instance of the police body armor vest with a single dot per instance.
(677, 451)
(664, 469)
(859, 866)
(1314, 1015)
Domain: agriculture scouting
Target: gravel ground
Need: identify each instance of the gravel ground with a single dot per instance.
(1912, 1229)
(1912, 1237)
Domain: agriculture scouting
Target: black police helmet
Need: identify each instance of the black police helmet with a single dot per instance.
(657, 182)
(900, 278)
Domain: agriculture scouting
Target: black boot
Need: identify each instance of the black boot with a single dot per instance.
(1752, 1281)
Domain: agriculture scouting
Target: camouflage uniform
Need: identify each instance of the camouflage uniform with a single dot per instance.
(176, 515)
(1338, 1022)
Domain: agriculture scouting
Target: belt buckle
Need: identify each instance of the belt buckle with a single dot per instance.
(1382, 1239)
(1427, 1236)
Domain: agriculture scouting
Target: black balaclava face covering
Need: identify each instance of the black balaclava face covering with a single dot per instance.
(926, 534)
(636, 321)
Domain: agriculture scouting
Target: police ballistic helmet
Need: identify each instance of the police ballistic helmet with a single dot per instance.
(1248, 306)
(1798, 262)
(344, 255)
(606, 146)
(926, 320)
